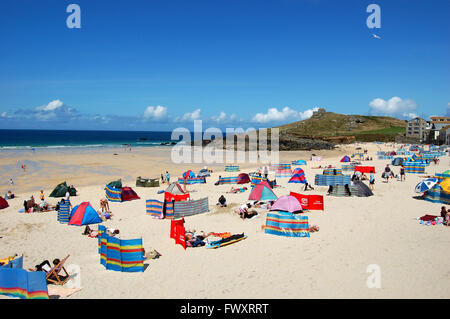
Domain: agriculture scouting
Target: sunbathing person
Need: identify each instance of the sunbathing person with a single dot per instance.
(104, 215)
(194, 239)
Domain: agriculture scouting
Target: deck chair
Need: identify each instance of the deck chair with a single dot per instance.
(54, 275)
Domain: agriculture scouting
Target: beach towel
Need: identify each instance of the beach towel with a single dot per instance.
(286, 224)
(226, 241)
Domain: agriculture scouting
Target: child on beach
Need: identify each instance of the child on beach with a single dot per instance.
(167, 177)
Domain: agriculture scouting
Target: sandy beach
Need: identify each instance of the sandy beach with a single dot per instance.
(355, 232)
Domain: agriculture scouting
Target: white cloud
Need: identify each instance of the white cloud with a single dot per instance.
(53, 105)
(410, 115)
(155, 112)
(3, 114)
(286, 114)
(223, 118)
(393, 106)
(189, 116)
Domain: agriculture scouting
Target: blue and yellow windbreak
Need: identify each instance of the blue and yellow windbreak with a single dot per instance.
(126, 255)
(113, 194)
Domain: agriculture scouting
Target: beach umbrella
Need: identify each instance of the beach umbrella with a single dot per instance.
(445, 185)
(287, 203)
(426, 184)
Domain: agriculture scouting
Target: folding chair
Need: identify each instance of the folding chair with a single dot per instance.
(53, 275)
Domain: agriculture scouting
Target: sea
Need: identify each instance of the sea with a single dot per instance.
(53, 139)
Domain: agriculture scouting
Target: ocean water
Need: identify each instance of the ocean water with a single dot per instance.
(29, 139)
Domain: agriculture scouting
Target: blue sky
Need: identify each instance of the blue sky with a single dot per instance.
(157, 65)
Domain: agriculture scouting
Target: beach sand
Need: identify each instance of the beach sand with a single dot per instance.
(354, 232)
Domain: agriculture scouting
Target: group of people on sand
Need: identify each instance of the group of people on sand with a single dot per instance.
(30, 205)
(165, 178)
(445, 215)
(389, 174)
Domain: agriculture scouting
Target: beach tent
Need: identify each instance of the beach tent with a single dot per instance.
(175, 189)
(203, 173)
(243, 178)
(362, 189)
(3, 203)
(116, 184)
(298, 176)
(188, 174)
(425, 185)
(147, 182)
(61, 189)
(287, 204)
(84, 214)
(346, 159)
(262, 192)
(127, 193)
(445, 185)
(397, 161)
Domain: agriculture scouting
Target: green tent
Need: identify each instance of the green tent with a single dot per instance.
(61, 190)
(116, 184)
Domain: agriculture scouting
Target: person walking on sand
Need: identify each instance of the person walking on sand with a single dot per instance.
(167, 177)
(162, 179)
(371, 180)
(41, 195)
(402, 173)
(387, 173)
(266, 171)
(11, 182)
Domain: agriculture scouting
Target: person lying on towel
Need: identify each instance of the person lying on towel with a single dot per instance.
(104, 215)
(194, 239)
